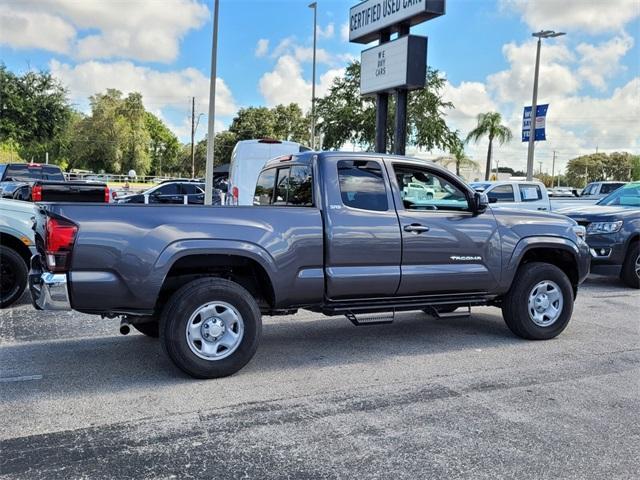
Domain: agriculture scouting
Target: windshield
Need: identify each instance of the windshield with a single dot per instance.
(627, 196)
(28, 173)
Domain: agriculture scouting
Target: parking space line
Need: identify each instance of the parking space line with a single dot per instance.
(24, 378)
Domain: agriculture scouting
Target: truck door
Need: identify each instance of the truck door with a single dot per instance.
(363, 244)
(446, 247)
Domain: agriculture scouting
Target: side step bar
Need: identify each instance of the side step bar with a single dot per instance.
(370, 318)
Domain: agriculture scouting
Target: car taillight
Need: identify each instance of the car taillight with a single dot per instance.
(36, 193)
(107, 195)
(60, 237)
(114, 195)
(236, 193)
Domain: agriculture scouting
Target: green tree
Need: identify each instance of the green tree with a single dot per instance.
(164, 146)
(283, 122)
(458, 156)
(289, 123)
(223, 147)
(594, 167)
(346, 117)
(490, 125)
(35, 109)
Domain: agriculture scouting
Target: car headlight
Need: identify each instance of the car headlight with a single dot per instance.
(604, 227)
(580, 231)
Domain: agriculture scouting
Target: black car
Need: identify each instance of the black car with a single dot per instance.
(172, 192)
(613, 233)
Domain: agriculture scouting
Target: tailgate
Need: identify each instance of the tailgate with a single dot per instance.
(73, 192)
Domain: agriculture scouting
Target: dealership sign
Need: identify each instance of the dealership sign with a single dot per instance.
(370, 17)
(398, 64)
(541, 120)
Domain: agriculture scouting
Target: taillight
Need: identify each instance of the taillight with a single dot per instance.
(107, 195)
(60, 237)
(236, 193)
(114, 195)
(36, 193)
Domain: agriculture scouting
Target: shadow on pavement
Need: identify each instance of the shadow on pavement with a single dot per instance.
(116, 363)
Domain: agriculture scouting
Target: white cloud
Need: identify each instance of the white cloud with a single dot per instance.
(600, 62)
(24, 29)
(160, 90)
(328, 31)
(556, 79)
(469, 99)
(593, 16)
(142, 30)
(344, 32)
(262, 47)
(285, 84)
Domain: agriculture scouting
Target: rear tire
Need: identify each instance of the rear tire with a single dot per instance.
(540, 302)
(13, 276)
(630, 274)
(211, 305)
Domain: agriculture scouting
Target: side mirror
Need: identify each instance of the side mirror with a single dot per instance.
(481, 202)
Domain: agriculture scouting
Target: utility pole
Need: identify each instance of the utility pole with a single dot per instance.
(208, 185)
(534, 103)
(314, 6)
(540, 164)
(553, 168)
(193, 136)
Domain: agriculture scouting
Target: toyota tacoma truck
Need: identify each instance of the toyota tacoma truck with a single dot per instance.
(336, 233)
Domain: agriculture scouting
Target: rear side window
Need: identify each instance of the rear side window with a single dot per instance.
(300, 186)
(530, 193)
(282, 187)
(362, 185)
(168, 189)
(502, 193)
(610, 187)
(264, 187)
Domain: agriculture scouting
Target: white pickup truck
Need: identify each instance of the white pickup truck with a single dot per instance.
(515, 194)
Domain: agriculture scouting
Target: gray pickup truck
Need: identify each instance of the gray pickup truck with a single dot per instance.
(338, 233)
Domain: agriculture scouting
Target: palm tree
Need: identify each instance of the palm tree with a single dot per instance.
(489, 124)
(458, 156)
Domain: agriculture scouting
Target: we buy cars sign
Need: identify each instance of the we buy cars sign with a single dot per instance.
(370, 17)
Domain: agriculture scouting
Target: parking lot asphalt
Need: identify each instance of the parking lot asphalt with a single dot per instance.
(420, 398)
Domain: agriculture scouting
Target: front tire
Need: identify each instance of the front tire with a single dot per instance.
(540, 302)
(630, 274)
(211, 328)
(13, 276)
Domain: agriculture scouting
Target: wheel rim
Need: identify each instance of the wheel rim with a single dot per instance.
(214, 331)
(638, 266)
(545, 303)
(8, 280)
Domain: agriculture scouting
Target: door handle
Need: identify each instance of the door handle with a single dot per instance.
(416, 228)
(542, 208)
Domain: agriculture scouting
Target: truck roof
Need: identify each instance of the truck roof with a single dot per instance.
(306, 158)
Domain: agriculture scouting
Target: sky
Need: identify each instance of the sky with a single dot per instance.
(162, 48)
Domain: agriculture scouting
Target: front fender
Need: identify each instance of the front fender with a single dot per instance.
(580, 254)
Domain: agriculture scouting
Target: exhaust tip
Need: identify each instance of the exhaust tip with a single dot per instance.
(125, 329)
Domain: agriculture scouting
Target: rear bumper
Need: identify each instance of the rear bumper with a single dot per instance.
(48, 290)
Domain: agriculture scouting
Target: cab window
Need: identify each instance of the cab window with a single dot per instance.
(300, 186)
(362, 185)
(282, 187)
(264, 187)
(530, 193)
(421, 189)
(502, 193)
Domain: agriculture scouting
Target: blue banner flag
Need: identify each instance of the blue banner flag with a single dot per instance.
(541, 120)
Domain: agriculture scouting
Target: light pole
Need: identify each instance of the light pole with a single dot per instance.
(208, 181)
(314, 6)
(534, 103)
